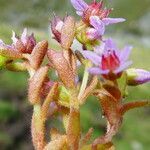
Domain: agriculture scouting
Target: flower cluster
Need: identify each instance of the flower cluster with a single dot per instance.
(106, 76)
(24, 44)
(95, 18)
(110, 62)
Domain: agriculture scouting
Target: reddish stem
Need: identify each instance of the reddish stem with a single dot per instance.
(133, 105)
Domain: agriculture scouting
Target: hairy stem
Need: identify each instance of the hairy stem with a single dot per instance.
(38, 128)
(73, 127)
(133, 105)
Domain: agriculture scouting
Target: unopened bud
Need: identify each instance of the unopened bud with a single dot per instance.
(137, 76)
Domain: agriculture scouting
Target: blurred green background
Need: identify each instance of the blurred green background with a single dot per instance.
(15, 112)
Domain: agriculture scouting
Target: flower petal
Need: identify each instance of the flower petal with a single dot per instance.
(124, 54)
(79, 5)
(97, 24)
(92, 56)
(80, 13)
(97, 71)
(92, 34)
(110, 45)
(14, 39)
(4, 46)
(108, 21)
(1, 43)
(99, 49)
(24, 36)
(123, 67)
(143, 76)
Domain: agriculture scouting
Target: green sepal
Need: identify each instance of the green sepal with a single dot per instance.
(64, 97)
(16, 66)
(3, 61)
(122, 84)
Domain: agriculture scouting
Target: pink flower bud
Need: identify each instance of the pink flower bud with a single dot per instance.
(137, 76)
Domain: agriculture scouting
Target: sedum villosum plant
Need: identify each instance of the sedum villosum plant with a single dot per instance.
(106, 76)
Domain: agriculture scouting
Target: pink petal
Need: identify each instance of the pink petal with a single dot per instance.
(123, 66)
(108, 21)
(79, 5)
(80, 13)
(24, 36)
(92, 34)
(110, 45)
(97, 71)
(92, 56)
(97, 24)
(14, 39)
(124, 54)
(143, 76)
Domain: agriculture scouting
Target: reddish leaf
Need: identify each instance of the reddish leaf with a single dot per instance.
(68, 32)
(63, 68)
(38, 54)
(35, 85)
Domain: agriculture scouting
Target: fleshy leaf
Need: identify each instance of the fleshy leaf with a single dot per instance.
(92, 85)
(63, 68)
(35, 85)
(10, 53)
(109, 105)
(68, 32)
(38, 54)
(50, 97)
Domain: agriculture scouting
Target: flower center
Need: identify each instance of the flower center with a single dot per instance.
(95, 9)
(110, 61)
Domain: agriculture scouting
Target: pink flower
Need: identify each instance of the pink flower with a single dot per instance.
(56, 26)
(24, 44)
(109, 61)
(94, 9)
(96, 30)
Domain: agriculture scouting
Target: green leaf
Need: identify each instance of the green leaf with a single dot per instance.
(122, 84)
(64, 97)
(2, 61)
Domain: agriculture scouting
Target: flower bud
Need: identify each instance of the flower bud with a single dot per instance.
(68, 32)
(137, 76)
(56, 27)
(25, 43)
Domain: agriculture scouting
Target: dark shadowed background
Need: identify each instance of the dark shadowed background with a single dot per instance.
(15, 112)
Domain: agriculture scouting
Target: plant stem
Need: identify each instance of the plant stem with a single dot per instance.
(133, 105)
(73, 127)
(84, 81)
